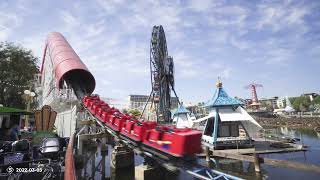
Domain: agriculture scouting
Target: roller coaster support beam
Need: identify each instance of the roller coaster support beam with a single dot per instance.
(122, 157)
(104, 153)
(87, 137)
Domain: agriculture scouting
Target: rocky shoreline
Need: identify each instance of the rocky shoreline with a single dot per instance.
(295, 123)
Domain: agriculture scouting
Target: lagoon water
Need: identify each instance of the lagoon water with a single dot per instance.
(309, 138)
(242, 169)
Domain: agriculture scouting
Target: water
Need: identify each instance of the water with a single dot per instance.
(312, 156)
(94, 164)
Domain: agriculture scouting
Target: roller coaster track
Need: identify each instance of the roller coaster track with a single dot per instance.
(172, 164)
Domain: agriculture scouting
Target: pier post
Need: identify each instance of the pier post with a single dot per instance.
(150, 169)
(104, 153)
(256, 163)
(207, 151)
(144, 172)
(93, 166)
(121, 157)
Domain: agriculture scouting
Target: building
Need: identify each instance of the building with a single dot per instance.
(281, 103)
(311, 95)
(270, 102)
(139, 101)
(61, 72)
(117, 103)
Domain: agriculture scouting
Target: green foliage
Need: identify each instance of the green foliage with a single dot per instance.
(124, 111)
(316, 100)
(11, 110)
(17, 67)
(315, 106)
(292, 99)
(301, 103)
(135, 113)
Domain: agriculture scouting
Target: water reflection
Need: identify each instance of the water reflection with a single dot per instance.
(246, 170)
(237, 168)
(297, 132)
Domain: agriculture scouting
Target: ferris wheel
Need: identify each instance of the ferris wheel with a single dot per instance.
(162, 75)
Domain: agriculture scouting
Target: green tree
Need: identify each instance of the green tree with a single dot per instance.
(18, 67)
(312, 107)
(124, 111)
(135, 113)
(316, 100)
(301, 103)
(292, 99)
(317, 107)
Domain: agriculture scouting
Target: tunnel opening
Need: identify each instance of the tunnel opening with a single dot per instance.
(81, 81)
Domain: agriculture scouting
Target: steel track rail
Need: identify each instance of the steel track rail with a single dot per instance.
(170, 163)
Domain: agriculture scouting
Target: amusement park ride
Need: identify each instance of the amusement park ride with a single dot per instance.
(169, 146)
(254, 101)
(162, 76)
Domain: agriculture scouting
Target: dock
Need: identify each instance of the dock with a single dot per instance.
(252, 155)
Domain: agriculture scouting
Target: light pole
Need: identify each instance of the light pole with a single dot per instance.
(28, 97)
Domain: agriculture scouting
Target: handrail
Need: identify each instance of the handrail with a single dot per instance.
(70, 173)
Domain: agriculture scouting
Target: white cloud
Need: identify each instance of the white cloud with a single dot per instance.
(278, 56)
(181, 60)
(145, 14)
(187, 73)
(201, 6)
(36, 44)
(281, 16)
(241, 44)
(70, 20)
(8, 22)
(228, 16)
(219, 37)
(110, 6)
(4, 33)
(226, 73)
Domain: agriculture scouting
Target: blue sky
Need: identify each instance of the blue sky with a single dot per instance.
(275, 43)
